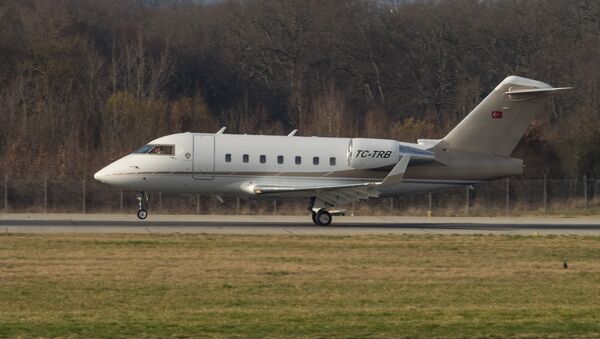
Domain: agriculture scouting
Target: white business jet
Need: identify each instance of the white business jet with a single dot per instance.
(335, 171)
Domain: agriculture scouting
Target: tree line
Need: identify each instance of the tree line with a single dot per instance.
(84, 82)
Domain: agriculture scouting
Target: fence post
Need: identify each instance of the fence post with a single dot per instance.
(545, 193)
(352, 214)
(159, 202)
(429, 211)
(83, 195)
(274, 206)
(6, 193)
(573, 189)
(391, 205)
(467, 202)
(45, 195)
(121, 200)
(197, 204)
(585, 193)
(237, 206)
(507, 196)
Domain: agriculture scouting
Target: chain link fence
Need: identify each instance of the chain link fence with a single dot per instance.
(495, 198)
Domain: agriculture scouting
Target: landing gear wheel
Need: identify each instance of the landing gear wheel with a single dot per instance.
(314, 217)
(142, 199)
(323, 218)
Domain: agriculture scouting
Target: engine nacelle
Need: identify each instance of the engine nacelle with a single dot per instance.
(373, 153)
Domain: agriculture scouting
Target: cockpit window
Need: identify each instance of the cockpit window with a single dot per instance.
(157, 149)
(144, 149)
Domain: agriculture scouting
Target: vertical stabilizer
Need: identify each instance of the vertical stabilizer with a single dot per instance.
(497, 124)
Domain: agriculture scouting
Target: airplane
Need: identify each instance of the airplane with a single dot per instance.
(335, 171)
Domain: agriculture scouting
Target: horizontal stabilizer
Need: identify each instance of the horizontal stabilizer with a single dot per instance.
(537, 90)
(524, 94)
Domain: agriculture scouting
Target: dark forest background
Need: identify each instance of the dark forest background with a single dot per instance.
(83, 82)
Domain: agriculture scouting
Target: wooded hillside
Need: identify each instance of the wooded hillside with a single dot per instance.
(84, 82)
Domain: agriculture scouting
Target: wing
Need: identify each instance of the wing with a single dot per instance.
(337, 194)
(340, 194)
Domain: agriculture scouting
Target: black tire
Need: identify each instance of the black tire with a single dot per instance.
(142, 214)
(314, 218)
(323, 218)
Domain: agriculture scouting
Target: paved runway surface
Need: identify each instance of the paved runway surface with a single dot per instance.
(301, 225)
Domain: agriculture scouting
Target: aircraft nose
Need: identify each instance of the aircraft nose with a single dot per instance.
(104, 175)
(112, 174)
(99, 175)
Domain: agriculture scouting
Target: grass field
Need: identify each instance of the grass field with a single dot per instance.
(220, 285)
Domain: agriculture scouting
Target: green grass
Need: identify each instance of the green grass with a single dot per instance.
(382, 286)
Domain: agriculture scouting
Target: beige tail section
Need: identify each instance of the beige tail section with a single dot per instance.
(497, 124)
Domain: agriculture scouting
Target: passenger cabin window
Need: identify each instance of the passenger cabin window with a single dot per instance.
(228, 157)
(298, 160)
(315, 160)
(156, 149)
(245, 158)
(263, 159)
(280, 159)
(332, 161)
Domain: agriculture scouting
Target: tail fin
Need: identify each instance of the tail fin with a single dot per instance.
(497, 124)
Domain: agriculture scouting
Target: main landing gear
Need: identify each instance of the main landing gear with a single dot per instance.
(320, 215)
(142, 212)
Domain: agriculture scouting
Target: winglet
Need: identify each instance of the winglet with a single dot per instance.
(292, 133)
(221, 130)
(397, 173)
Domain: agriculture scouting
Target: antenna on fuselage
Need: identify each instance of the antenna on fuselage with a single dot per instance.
(292, 133)
(221, 130)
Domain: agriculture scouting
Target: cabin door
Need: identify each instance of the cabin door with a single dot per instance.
(204, 157)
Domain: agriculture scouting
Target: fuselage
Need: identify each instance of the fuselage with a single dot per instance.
(336, 171)
(231, 165)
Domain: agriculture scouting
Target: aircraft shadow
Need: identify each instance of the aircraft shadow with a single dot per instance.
(307, 224)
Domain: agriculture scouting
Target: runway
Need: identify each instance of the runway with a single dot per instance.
(297, 225)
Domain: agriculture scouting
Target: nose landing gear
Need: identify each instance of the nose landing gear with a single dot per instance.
(142, 199)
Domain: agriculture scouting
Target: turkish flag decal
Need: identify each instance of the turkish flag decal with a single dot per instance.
(497, 114)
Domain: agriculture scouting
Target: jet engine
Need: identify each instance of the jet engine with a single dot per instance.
(372, 153)
(376, 153)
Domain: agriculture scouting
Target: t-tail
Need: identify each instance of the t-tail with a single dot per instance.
(497, 124)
